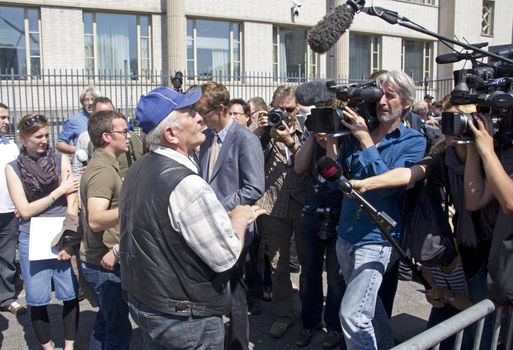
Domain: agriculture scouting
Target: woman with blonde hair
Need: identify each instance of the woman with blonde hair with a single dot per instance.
(41, 184)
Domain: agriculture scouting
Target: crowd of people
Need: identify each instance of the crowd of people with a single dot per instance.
(197, 217)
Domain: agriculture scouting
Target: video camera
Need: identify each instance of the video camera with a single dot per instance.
(490, 87)
(361, 97)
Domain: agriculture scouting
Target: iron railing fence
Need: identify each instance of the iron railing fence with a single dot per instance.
(55, 93)
(474, 316)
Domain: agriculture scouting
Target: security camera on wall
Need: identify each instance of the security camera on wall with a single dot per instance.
(295, 8)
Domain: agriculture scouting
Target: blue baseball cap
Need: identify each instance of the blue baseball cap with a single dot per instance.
(157, 104)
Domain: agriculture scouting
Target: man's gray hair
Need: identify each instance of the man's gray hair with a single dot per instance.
(154, 137)
(400, 81)
(420, 106)
(91, 89)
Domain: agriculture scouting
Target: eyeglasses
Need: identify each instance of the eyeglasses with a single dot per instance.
(123, 132)
(204, 114)
(35, 120)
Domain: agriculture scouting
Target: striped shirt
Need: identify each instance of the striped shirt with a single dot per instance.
(197, 214)
(454, 281)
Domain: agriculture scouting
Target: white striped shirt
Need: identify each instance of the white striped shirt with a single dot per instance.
(454, 281)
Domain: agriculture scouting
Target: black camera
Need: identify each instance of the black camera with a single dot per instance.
(361, 97)
(276, 116)
(456, 124)
(177, 81)
(490, 87)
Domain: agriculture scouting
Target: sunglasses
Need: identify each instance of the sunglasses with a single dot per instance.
(35, 120)
(288, 109)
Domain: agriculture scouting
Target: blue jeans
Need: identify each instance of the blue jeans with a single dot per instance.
(112, 328)
(314, 250)
(161, 331)
(362, 315)
(38, 276)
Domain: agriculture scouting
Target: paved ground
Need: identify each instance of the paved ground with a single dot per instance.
(410, 312)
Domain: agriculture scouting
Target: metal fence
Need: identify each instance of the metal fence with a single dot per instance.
(56, 93)
(474, 316)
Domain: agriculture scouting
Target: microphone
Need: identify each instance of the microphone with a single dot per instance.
(82, 156)
(454, 57)
(331, 27)
(331, 171)
(315, 92)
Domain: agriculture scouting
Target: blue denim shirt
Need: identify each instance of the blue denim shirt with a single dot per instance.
(401, 148)
(74, 126)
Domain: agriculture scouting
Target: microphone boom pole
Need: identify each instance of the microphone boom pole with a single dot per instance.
(394, 18)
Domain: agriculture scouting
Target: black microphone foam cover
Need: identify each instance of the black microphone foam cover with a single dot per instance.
(328, 168)
(330, 28)
(314, 92)
(448, 58)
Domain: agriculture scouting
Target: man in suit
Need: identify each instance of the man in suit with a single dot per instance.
(232, 163)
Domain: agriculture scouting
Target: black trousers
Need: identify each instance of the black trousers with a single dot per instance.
(237, 337)
(8, 244)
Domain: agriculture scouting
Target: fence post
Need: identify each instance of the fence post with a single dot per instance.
(425, 85)
(15, 112)
(126, 90)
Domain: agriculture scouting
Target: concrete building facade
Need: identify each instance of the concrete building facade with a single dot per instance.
(369, 45)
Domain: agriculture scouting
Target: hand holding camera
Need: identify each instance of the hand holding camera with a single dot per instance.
(483, 134)
(282, 134)
(358, 127)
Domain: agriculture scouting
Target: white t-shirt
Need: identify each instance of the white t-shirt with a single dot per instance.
(8, 153)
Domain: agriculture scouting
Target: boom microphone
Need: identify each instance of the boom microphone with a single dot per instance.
(331, 27)
(315, 92)
(454, 57)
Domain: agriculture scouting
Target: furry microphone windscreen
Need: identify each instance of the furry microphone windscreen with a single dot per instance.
(329, 29)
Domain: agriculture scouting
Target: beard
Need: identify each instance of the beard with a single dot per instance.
(391, 117)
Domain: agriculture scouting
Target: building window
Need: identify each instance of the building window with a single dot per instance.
(487, 18)
(214, 49)
(292, 58)
(19, 41)
(110, 40)
(364, 55)
(417, 58)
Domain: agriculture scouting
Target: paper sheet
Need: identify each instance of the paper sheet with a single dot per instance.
(42, 231)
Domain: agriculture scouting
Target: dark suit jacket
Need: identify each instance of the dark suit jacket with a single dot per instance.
(238, 176)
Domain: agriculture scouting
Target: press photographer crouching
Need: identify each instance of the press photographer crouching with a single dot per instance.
(318, 230)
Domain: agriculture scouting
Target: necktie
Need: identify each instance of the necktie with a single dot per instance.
(214, 151)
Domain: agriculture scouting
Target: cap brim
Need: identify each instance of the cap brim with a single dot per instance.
(189, 98)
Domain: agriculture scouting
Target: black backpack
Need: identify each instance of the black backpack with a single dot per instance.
(427, 235)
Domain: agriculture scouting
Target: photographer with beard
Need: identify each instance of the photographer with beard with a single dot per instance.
(363, 253)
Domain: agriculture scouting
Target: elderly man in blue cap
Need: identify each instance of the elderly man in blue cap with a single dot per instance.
(177, 241)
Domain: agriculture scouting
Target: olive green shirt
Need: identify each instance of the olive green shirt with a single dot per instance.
(100, 180)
